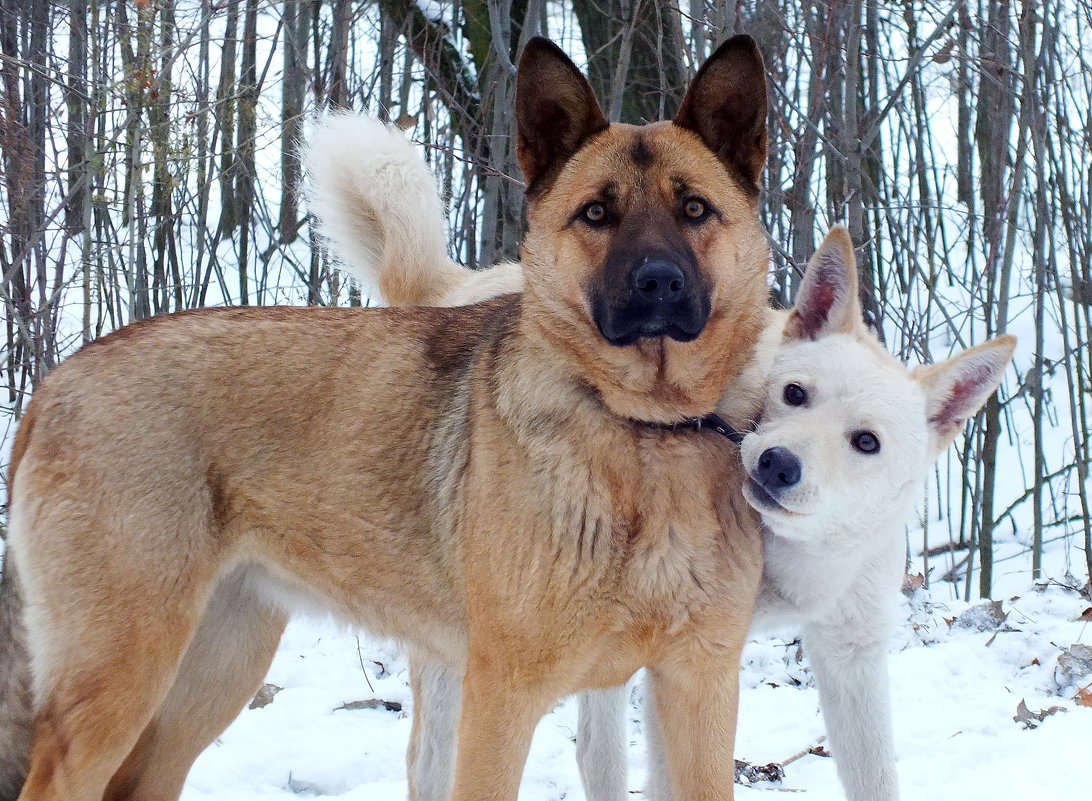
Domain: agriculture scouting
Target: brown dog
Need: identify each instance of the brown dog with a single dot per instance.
(481, 483)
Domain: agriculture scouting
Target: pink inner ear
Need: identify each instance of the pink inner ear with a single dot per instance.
(964, 398)
(815, 313)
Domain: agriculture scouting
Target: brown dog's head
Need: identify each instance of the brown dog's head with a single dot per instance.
(644, 259)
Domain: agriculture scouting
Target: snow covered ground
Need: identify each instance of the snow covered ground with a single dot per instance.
(956, 692)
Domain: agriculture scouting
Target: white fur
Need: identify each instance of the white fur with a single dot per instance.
(833, 542)
(377, 205)
(603, 760)
(431, 759)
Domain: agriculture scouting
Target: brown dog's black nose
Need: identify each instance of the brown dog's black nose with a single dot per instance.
(778, 469)
(657, 299)
(659, 281)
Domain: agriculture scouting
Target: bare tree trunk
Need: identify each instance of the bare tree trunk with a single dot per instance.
(964, 92)
(388, 40)
(767, 25)
(656, 74)
(853, 158)
(502, 192)
(77, 104)
(1041, 263)
(337, 64)
(802, 212)
(248, 127)
(19, 184)
(294, 90)
(165, 265)
(225, 116)
(996, 112)
(205, 160)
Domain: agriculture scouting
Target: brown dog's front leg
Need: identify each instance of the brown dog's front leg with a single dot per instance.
(499, 713)
(697, 707)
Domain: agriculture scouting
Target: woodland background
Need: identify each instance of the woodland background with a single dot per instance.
(148, 163)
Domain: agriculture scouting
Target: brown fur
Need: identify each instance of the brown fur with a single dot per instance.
(470, 481)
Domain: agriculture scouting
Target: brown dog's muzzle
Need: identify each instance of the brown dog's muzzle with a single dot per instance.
(659, 296)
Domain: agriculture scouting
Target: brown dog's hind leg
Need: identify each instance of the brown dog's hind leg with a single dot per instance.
(104, 667)
(220, 672)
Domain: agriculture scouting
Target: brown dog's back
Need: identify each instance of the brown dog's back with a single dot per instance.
(296, 436)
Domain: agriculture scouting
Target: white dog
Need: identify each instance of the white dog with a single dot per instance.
(846, 439)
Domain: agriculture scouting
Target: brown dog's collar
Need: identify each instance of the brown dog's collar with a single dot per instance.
(711, 421)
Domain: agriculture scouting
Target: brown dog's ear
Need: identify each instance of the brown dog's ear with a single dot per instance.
(827, 302)
(555, 111)
(957, 388)
(726, 106)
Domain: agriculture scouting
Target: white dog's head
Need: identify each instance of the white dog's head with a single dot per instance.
(848, 433)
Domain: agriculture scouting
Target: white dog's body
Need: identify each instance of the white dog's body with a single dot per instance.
(834, 513)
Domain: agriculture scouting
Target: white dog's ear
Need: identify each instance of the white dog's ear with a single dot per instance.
(957, 388)
(827, 302)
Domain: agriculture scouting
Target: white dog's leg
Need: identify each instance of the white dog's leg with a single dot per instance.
(601, 744)
(850, 663)
(437, 699)
(658, 784)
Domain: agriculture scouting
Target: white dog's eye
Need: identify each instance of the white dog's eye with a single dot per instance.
(795, 395)
(866, 442)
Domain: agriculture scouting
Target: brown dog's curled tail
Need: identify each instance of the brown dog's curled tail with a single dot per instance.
(15, 706)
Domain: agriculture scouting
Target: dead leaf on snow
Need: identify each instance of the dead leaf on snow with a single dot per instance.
(1025, 716)
(1084, 696)
(1086, 616)
(264, 696)
(912, 582)
(746, 773)
(1074, 662)
(1033, 719)
(1086, 590)
(986, 616)
(373, 703)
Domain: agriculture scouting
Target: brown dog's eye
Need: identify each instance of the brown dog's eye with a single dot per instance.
(866, 442)
(795, 395)
(594, 213)
(695, 209)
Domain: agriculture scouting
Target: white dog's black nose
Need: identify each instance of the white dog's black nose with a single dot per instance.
(778, 469)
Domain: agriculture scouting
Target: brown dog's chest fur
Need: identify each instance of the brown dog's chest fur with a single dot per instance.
(627, 536)
(634, 544)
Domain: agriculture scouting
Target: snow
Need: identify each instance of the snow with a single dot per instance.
(955, 694)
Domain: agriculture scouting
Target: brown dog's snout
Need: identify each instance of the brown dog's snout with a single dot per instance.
(656, 299)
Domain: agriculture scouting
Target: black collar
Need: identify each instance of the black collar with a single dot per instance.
(712, 421)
